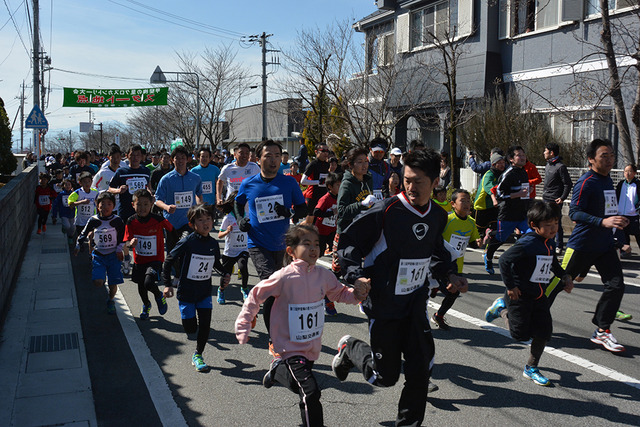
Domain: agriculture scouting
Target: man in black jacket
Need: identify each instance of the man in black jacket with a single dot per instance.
(557, 184)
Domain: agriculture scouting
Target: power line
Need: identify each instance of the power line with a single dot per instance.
(10, 16)
(176, 23)
(16, 27)
(99, 75)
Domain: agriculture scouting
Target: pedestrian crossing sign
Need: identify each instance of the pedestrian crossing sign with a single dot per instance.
(36, 119)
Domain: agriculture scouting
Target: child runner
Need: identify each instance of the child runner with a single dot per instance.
(43, 197)
(440, 197)
(144, 233)
(526, 268)
(297, 318)
(326, 216)
(459, 232)
(83, 200)
(200, 255)
(235, 248)
(108, 237)
(66, 213)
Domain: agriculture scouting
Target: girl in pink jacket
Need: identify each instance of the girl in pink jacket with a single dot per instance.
(297, 317)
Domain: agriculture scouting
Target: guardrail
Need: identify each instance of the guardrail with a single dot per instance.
(17, 216)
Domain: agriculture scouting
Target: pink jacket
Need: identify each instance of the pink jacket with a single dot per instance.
(297, 315)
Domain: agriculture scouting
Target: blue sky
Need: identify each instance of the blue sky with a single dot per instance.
(108, 37)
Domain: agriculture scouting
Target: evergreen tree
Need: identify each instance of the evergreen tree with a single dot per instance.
(8, 162)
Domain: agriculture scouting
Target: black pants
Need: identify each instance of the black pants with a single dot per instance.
(43, 214)
(486, 218)
(633, 229)
(529, 318)
(381, 362)
(326, 242)
(608, 265)
(449, 298)
(266, 263)
(146, 276)
(243, 266)
(200, 324)
(295, 374)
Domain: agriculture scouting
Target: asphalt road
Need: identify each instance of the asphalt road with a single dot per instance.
(141, 370)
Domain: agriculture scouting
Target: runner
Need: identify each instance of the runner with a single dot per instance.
(208, 174)
(233, 174)
(314, 177)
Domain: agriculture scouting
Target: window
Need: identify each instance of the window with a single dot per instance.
(436, 21)
(381, 52)
(524, 16)
(592, 7)
(582, 126)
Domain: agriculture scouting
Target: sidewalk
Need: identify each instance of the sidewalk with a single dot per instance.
(45, 378)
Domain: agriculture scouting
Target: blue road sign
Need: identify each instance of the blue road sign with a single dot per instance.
(36, 119)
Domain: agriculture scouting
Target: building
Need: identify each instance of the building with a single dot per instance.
(546, 51)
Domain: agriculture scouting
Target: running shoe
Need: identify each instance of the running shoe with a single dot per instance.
(198, 362)
(272, 351)
(239, 274)
(111, 307)
(221, 300)
(269, 378)
(330, 309)
(44, 228)
(440, 322)
(360, 309)
(341, 364)
(39, 231)
(144, 315)
(162, 305)
(607, 340)
(623, 316)
(493, 312)
(245, 293)
(487, 236)
(533, 373)
(431, 387)
(488, 264)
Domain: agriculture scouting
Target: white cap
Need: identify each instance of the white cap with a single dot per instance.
(396, 152)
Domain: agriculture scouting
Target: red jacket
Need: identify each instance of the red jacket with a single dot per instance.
(534, 178)
(44, 196)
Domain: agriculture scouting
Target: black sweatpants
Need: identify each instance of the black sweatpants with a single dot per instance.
(266, 263)
(529, 318)
(608, 265)
(381, 362)
(43, 214)
(243, 266)
(295, 374)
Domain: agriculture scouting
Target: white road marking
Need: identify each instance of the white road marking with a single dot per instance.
(168, 410)
(576, 360)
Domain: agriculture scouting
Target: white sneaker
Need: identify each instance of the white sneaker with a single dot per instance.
(607, 340)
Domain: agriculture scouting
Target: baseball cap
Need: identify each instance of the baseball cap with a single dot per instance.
(396, 151)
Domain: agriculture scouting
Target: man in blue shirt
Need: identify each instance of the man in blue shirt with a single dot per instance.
(177, 191)
(594, 208)
(209, 174)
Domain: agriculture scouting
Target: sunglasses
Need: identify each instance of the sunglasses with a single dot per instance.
(323, 150)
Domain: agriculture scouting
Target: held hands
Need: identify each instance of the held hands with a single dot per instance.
(281, 210)
(568, 283)
(457, 284)
(617, 221)
(514, 293)
(168, 291)
(361, 288)
(244, 224)
(368, 201)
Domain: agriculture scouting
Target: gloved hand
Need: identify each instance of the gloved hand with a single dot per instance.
(244, 224)
(281, 210)
(368, 201)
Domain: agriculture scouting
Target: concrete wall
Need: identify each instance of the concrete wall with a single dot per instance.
(17, 215)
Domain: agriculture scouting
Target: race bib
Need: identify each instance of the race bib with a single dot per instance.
(105, 238)
(147, 246)
(85, 211)
(542, 272)
(200, 267)
(43, 200)
(412, 274)
(610, 202)
(377, 194)
(183, 199)
(306, 321)
(265, 208)
(207, 187)
(238, 240)
(65, 201)
(459, 243)
(136, 184)
(525, 186)
(330, 221)
(322, 177)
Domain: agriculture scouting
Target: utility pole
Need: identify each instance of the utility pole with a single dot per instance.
(36, 69)
(262, 40)
(22, 98)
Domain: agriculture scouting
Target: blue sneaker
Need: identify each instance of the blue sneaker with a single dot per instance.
(144, 315)
(111, 307)
(245, 293)
(198, 362)
(493, 312)
(221, 300)
(162, 305)
(488, 264)
(532, 373)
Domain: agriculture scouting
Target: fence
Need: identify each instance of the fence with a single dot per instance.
(17, 215)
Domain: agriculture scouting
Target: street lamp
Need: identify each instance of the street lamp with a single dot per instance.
(158, 77)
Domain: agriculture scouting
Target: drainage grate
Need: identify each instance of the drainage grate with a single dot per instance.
(53, 251)
(48, 343)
